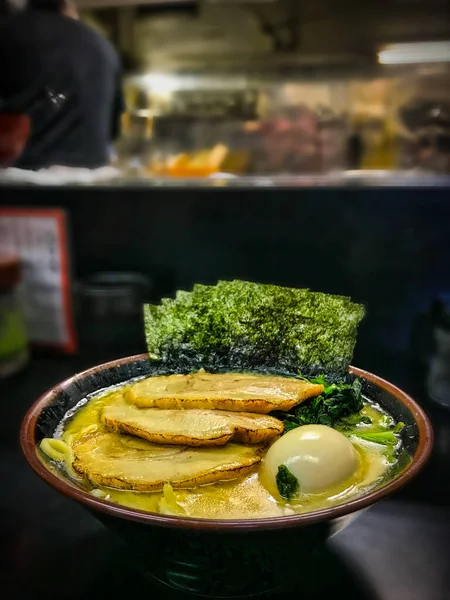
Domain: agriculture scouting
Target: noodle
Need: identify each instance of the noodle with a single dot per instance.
(60, 451)
(55, 449)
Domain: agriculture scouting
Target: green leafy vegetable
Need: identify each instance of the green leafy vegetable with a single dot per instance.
(287, 483)
(386, 422)
(349, 423)
(399, 427)
(289, 424)
(238, 324)
(337, 402)
(386, 438)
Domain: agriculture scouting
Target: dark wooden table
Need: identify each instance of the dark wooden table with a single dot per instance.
(50, 546)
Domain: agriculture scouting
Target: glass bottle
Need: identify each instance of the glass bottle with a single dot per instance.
(13, 336)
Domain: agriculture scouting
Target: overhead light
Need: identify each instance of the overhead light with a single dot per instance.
(418, 52)
(160, 83)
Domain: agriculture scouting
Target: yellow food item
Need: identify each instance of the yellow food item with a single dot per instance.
(129, 463)
(55, 449)
(225, 391)
(319, 457)
(60, 451)
(198, 164)
(131, 471)
(191, 427)
(168, 504)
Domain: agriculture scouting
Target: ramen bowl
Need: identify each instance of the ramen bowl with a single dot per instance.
(209, 557)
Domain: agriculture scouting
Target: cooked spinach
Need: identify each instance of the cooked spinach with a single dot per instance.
(399, 427)
(337, 402)
(287, 483)
(387, 437)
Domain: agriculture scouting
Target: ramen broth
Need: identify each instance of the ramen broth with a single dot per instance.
(247, 496)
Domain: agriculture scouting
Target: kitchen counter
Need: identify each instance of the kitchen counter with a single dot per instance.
(397, 550)
(107, 177)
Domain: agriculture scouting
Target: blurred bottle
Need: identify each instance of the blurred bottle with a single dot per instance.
(13, 337)
(355, 149)
(380, 145)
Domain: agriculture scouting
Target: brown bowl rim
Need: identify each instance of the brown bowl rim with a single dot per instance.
(28, 445)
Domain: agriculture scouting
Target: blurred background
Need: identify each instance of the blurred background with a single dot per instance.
(280, 86)
(276, 87)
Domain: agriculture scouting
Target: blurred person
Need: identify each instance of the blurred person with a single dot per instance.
(65, 77)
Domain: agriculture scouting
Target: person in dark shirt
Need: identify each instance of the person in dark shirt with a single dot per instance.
(66, 78)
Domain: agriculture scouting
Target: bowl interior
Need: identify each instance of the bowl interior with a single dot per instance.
(45, 415)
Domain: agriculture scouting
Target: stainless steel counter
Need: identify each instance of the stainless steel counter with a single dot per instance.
(109, 177)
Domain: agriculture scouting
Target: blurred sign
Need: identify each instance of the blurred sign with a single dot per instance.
(39, 238)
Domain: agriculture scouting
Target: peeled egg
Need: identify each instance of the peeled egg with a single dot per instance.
(318, 456)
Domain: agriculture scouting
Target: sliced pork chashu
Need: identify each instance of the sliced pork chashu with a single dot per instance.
(224, 391)
(129, 463)
(194, 427)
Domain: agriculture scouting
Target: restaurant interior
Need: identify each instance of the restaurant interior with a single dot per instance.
(279, 87)
(284, 143)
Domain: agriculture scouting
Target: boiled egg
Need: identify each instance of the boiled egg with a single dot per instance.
(319, 457)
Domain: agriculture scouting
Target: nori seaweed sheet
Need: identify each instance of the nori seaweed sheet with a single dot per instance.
(248, 326)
